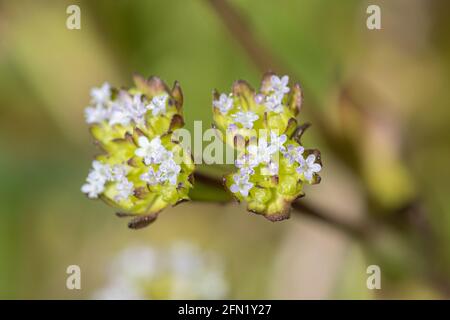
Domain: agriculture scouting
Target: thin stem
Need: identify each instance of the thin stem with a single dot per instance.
(208, 180)
(302, 208)
(357, 232)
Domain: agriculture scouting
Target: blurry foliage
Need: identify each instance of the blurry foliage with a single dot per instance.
(46, 71)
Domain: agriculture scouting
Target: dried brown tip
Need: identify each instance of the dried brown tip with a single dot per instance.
(142, 221)
(140, 192)
(140, 83)
(295, 99)
(157, 86)
(282, 215)
(277, 217)
(265, 82)
(133, 162)
(177, 94)
(291, 127)
(215, 94)
(125, 214)
(176, 122)
(129, 137)
(243, 89)
(298, 133)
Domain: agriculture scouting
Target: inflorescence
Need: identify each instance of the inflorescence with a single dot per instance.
(143, 168)
(272, 165)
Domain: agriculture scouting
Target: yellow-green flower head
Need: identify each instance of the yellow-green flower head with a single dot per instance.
(272, 164)
(143, 168)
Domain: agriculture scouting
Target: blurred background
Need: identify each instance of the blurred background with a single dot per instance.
(377, 99)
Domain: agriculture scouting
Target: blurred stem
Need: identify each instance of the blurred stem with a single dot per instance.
(358, 232)
(364, 233)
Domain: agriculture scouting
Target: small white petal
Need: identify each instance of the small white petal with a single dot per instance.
(234, 188)
(140, 152)
(310, 159)
(315, 167)
(143, 141)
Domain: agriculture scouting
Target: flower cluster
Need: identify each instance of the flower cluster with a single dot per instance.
(182, 271)
(143, 168)
(272, 164)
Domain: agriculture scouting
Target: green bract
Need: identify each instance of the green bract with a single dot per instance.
(272, 164)
(143, 168)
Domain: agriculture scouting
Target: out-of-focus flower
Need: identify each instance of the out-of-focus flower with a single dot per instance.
(181, 272)
(101, 95)
(138, 172)
(262, 126)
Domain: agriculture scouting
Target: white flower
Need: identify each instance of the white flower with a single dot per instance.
(96, 179)
(101, 170)
(273, 102)
(246, 164)
(134, 107)
(119, 289)
(125, 189)
(152, 151)
(93, 187)
(184, 259)
(259, 98)
(136, 262)
(279, 86)
(151, 177)
(194, 274)
(293, 153)
(308, 167)
(158, 104)
(96, 114)
(101, 95)
(245, 118)
(241, 184)
(262, 152)
(278, 141)
(224, 104)
(119, 172)
(272, 168)
(118, 114)
(169, 171)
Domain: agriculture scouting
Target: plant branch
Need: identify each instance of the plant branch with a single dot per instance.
(355, 231)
